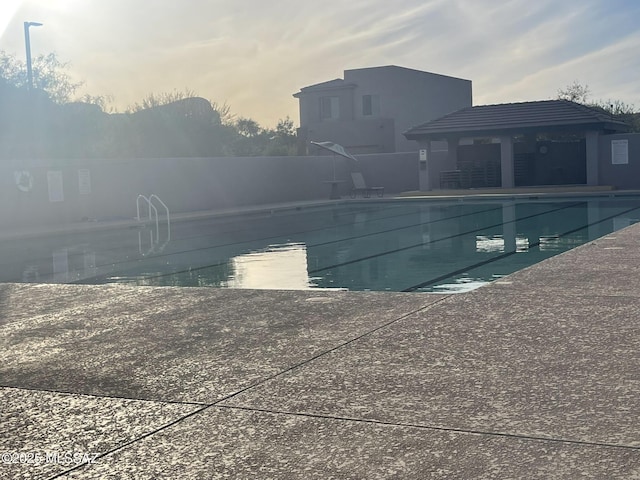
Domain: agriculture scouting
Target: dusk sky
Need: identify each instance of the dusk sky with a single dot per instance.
(254, 55)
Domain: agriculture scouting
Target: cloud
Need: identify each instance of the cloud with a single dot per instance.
(254, 55)
(8, 9)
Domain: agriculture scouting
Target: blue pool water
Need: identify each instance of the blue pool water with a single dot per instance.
(424, 246)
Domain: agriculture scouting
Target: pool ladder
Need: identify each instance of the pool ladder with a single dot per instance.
(154, 240)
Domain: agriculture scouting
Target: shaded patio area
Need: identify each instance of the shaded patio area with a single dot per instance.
(550, 142)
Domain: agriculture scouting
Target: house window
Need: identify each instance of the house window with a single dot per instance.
(370, 105)
(329, 108)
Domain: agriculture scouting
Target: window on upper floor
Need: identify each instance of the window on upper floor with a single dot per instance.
(329, 108)
(370, 105)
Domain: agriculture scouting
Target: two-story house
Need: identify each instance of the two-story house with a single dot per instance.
(370, 108)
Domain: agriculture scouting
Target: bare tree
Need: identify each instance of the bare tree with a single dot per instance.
(224, 111)
(576, 92)
(158, 99)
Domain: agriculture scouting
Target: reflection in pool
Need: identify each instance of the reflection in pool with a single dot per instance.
(275, 267)
(423, 246)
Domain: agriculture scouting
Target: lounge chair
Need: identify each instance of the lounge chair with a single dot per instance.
(359, 185)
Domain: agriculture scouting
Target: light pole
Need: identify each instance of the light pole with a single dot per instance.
(27, 44)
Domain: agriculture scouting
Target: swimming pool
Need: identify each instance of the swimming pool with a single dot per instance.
(409, 246)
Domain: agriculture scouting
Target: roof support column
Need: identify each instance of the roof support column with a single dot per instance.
(592, 141)
(506, 161)
(424, 175)
(452, 158)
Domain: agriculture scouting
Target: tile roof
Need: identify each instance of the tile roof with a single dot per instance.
(328, 85)
(518, 118)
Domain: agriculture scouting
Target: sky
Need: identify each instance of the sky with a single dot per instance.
(254, 55)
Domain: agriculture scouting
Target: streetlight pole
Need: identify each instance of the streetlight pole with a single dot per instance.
(27, 44)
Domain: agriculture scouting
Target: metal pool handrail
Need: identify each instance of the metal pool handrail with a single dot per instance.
(154, 196)
(153, 216)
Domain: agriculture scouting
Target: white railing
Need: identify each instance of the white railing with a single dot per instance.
(153, 217)
(157, 198)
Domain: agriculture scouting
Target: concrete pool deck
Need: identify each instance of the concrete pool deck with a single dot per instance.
(533, 376)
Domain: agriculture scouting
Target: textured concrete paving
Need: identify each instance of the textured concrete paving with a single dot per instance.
(175, 344)
(534, 376)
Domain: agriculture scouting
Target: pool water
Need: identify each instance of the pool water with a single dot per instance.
(408, 246)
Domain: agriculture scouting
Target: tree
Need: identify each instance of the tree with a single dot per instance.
(285, 129)
(576, 92)
(177, 123)
(252, 139)
(625, 112)
(101, 101)
(224, 112)
(249, 138)
(284, 140)
(49, 75)
(159, 99)
(248, 128)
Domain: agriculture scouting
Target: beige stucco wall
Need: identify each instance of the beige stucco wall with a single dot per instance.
(622, 176)
(407, 98)
(184, 184)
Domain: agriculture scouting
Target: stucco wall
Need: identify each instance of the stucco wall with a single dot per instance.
(407, 98)
(310, 104)
(622, 176)
(184, 184)
(364, 136)
(411, 97)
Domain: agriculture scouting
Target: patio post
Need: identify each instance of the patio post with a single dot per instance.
(592, 141)
(506, 161)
